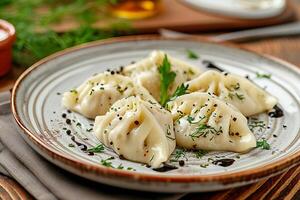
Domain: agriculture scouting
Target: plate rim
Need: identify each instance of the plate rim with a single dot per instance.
(77, 165)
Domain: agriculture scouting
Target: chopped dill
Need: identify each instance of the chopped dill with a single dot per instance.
(200, 153)
(191, 54)
(259, 75)
(97, 149)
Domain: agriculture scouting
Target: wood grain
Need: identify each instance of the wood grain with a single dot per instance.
(11, 190)
(283, 186)
(179, 17)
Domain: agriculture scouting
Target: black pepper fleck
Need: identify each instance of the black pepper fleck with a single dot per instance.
(68, 121)
(181, 163)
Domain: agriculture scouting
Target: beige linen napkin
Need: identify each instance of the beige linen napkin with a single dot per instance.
(46, 181)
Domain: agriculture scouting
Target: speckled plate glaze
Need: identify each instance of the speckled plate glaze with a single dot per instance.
(36, 105)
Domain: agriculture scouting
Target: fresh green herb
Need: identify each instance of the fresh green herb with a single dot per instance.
(191, 54)
(89, 129)
(152, 158)
(204, 130)
(107, 162)
(191, 119)
(120, 166)
(167, 77)
(200, 153)
(37, 20)
(255, 124)
(240, 96)
(204, 165)
(235, 87)
(97, 149)
(130, 169)
(71, 145)
(263, 144)
(74, 91)
(258, 75)
(179, 153)
(231, 95)
(180, 90)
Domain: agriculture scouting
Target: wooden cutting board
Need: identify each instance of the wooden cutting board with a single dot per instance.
(180, 17)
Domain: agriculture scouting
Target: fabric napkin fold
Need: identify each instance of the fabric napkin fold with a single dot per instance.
(45, 181)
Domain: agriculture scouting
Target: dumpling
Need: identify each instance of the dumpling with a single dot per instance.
(146, 72)
(236, 90)
(138, 130)
(203, 121)
(96, 95)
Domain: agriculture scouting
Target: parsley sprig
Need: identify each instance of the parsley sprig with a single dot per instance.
(180, 90)
(191, 54)
(263, 144)
(167, 77)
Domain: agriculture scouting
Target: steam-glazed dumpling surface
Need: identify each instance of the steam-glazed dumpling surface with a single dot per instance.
(202, 121)
(97, 94)
(236, 90)
(146, 72)
(138, 130)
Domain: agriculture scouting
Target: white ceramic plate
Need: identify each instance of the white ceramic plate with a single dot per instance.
(247, 9)
(36, 105)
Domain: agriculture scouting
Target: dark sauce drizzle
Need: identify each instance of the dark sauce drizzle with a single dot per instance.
(165, 168)
(278, 112)
(224, 162)
(211, 65)
(82, 146)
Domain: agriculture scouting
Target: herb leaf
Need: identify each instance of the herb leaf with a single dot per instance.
(191, 119)
(200, 153)
(259, 75)
(180, 90)
(204, 130)
(191, 54)
(107, 163)
(167, 77)
(179, 153)
(263, 144)
(97, 149)
(255, 124)
(231, 95)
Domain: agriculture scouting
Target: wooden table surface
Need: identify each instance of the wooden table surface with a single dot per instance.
(283, 186)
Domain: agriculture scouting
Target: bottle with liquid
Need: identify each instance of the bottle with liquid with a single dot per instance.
(135, 9)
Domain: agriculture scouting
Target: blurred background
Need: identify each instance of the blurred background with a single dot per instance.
(47, 26)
